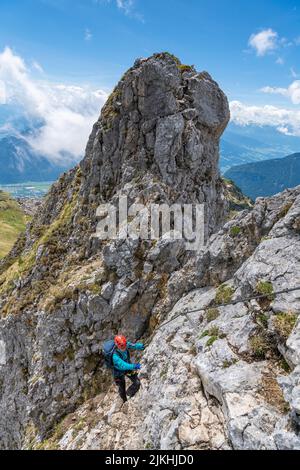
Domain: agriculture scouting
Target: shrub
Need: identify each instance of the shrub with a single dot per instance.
(224, 294)
(265, 288)
(285, 210)
(94, 288)
(284, 365)
(214, 334)
(185, 68)
(149, 445)
(259, 346)
(214, 331)
(205, 333)
(161, 55)
(234, 231)
(211, 340)
(262, 319)
(212, 314)
(284, 323)
(272, 392)
(227, 363)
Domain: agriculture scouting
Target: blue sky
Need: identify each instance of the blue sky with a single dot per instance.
(213, 35)
(250, 48)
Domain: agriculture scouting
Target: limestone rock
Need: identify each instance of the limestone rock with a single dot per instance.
(212, 374)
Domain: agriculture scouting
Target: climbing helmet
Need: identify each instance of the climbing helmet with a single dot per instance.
(121, 342)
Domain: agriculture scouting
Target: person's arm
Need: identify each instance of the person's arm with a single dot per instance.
(122, 365)
(135, 346)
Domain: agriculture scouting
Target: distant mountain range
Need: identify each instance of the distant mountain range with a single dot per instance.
(267, 177)
(18, 163)
(245, 144)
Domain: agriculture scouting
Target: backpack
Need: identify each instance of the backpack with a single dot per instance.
(108, 350)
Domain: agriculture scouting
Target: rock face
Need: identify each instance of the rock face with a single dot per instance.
(29, 205)
(163, 120)
(221, 377)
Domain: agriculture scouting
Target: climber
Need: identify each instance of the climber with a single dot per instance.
(117, 357)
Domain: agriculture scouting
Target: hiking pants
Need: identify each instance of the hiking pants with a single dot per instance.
(132, 390)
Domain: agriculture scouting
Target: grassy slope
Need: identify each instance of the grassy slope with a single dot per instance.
(12, 223)
(237, 200)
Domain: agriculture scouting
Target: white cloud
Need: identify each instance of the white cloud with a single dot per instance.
(264, 42)
(286, 121)
(284, 42)
(279, 61)
(128, 7)
(297, 41)
(67, 112)
(294, 74)
(2, 93)
(292, 92)
(38, 67)
(88, 35)
(125, 5)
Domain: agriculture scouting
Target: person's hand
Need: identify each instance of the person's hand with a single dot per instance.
(137, 366)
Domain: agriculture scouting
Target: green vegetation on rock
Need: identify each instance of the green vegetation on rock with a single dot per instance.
(12, 222)
(262, 319)
(166, 53)
(211, 340)
(284, 365)
(265, 288)
(259, 346)
(285, 210)
(214, 334)
(109, 110)
(51, 237)
(235, 197)
(228, 363)
(212, 314)
(284, 323)
(185, 68)
(234, 231)
(224, 294)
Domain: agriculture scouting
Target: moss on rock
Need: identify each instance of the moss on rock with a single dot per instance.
(224, 294)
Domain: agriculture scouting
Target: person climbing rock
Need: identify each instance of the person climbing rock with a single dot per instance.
(117, 357)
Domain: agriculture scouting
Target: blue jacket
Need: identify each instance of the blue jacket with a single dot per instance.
(121, 359)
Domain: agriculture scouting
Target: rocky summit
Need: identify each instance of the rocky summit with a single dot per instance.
(223, 376)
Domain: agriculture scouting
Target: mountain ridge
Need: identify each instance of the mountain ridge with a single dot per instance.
(19, 163)
(245, 144)
(268, 177)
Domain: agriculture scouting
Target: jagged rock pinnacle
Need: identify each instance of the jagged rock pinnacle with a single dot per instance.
(164, 119)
